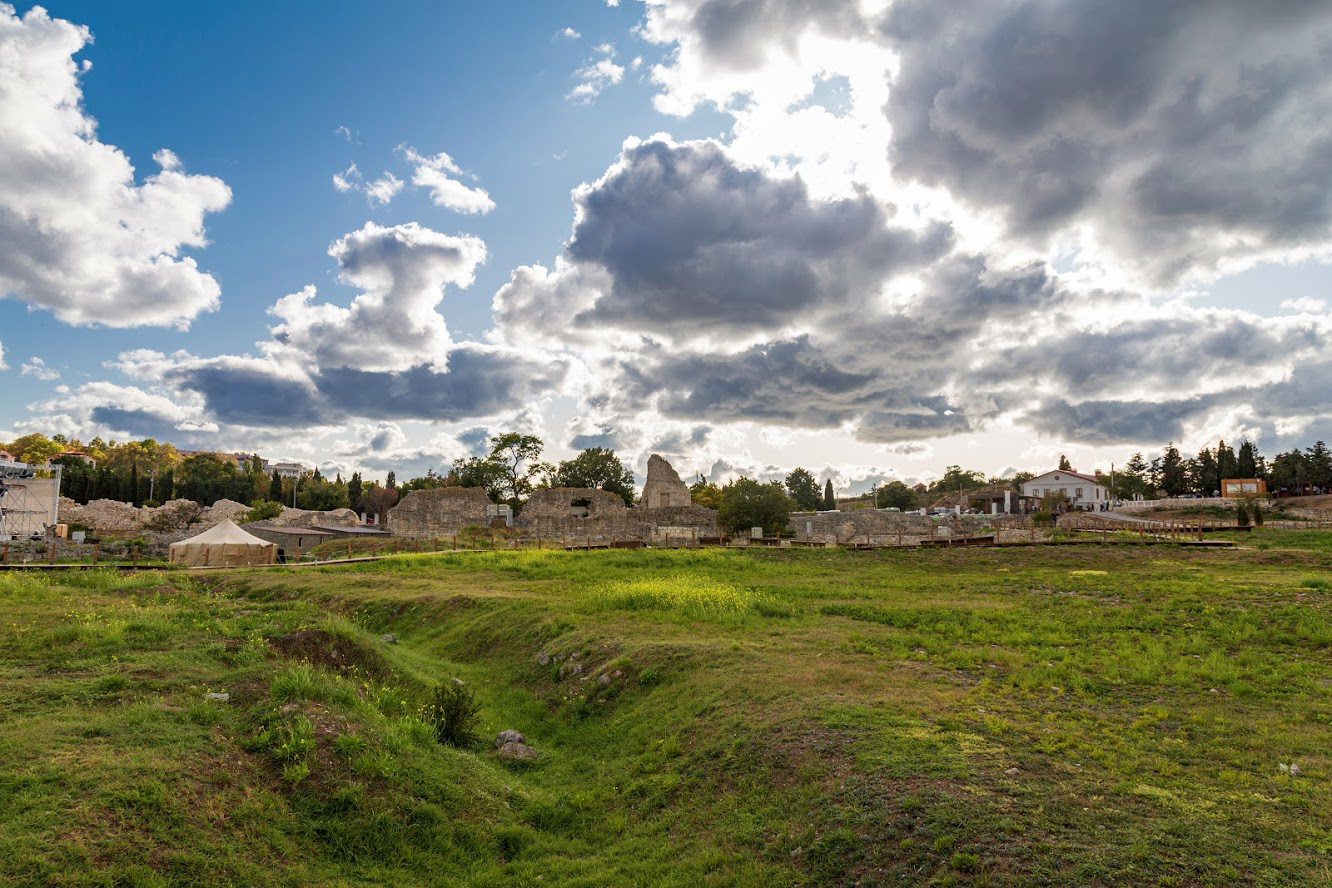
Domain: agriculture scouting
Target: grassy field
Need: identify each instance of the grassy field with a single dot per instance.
(1062, 716)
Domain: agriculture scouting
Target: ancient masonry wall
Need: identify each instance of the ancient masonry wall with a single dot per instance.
(663, 488)
(861, 526)
(564, 515)
(442, 512)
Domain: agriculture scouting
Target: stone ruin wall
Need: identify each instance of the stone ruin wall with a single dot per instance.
(439, 513)
(877, 528)
(861, 526)
(549, 516)
(663, 488)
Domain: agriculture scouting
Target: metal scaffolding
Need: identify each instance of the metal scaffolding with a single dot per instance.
(26, 509)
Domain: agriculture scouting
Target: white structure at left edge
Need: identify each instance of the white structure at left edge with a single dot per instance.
(1078, 489)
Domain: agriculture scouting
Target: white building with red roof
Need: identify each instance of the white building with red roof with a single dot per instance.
(1079, 489)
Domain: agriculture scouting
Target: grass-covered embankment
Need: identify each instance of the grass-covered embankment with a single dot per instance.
(1066, 716)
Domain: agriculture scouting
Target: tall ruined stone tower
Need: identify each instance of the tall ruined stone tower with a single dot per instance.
(663, 488)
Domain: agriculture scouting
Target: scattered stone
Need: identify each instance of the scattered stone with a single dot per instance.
(458, 681)
(1292, 769)
(1012, 772)
(519, 752)
(389, 638)
(1213, 691)
(226, 698)
(509, 736)
(543, 658)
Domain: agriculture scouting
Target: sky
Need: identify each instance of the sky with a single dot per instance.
(871, 238)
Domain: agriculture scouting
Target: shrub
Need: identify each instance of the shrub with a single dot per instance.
(452, 713)
(1257, 515)
(263, 510)
(177, 515)
(1241, 515)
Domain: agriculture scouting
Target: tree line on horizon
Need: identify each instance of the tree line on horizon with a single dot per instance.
(147, 472)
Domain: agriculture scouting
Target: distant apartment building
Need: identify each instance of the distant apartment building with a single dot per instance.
(287, 469)
(248, 462)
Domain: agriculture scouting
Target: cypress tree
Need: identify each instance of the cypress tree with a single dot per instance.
(134, 485)
(354, 491)
(829, 500)
(275, 487)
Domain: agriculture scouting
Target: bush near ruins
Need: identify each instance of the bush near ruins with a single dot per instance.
(451, 712)
(175, 515)
(262, 510)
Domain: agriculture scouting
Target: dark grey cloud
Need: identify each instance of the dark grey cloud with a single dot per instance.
(791, 382)
(1183, 132)
(1156, 354)
(607, 440)
(139, 423)
(479, 380)
(1117, 422)
(732, 33)
(695, 243)
(247, 393)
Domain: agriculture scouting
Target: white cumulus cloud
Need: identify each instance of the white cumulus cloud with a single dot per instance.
(596, 75)
(436, 173)
(79, 235)
(377, 191)
(37, 367)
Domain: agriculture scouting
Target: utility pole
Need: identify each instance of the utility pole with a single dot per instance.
(295, 482)
(152, 480)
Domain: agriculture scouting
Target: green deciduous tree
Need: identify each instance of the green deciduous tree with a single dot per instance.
(318, 494)
(377, 501)
(516, 458)
(479, 471)
(746, 503)
(802, 488)
(896, 495)
(597, 467)
(705, 493)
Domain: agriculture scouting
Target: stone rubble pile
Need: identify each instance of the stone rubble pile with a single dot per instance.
(179, 518)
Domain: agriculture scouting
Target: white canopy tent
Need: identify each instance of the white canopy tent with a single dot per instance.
(224, 545)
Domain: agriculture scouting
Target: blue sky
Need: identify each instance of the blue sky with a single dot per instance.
(845, 235)
(254, 93)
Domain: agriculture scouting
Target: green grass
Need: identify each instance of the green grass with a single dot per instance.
(1059, 716)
